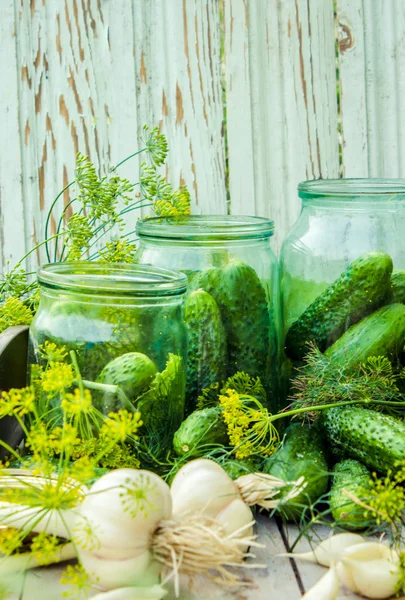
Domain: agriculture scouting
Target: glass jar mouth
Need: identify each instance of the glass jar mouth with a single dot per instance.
(355, 189)
(118, 279)
(206, 227)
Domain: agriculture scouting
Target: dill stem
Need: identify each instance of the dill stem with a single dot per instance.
(48, 218)
(115, 389)
(79, 379)
(53, 237)
(305, 409)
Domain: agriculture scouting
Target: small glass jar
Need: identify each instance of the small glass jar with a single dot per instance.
(229, 259)
(340, 220)
(124, 324)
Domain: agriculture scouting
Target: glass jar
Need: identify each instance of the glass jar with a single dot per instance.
(232, 308)
(124, 325)
(340, 220)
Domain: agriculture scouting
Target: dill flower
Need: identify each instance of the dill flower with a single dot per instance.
(249, 424)
(120, 425)
(155, 144)
(17, 402)
(118, 251)
(77, 403)
(386, 497)
(10, 540)
(14, 312)
(137, 495)
(57, 378)
(78, 580)
(64, 439)
(39, 441)
(44, 548)
(52, 353)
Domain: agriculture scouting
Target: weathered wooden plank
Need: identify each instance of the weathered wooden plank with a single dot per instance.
(12, 225)
(178, 75)
(284, 61)
(76, 73)
(371, 52)
(276, 580)
(311, 573)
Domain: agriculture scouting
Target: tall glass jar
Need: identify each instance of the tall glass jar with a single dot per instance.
(341, 222)
(124, 325)
(232, 308)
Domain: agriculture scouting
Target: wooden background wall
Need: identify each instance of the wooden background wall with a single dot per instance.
(244, 89)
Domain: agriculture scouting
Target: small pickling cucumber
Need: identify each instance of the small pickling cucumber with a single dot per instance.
(202, 428)
(132, 372)
(300, 454)
(375, 439)
(351, 476)
(397, 287)
(380, 334)
(353, 295)
(242, 300)
(206, 345)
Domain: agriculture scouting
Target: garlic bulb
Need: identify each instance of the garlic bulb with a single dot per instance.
(330, 550)
(115, 525)
(370, 569)
(202, 486)
(327, 588)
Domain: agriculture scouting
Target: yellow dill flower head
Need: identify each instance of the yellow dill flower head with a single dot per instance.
(386, 497)
(45, 548)
(249, 424)
(120, 425)
(39, 441)
(57, 378)
(78, 580)
(10, 540)
(77, 403)
(17, 402)
(64, 439)
(52, 353)
(86, 535)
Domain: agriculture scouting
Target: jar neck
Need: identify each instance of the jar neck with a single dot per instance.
(51, 295)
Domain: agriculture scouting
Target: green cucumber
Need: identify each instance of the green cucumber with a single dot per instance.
(206, 344)
(238, 467)
(202, 428)
(300, 454)
(241, 298)
(354, 477)
(377, 440)
(353, 295)
(397, 287)
(132, 372)
(379, 334)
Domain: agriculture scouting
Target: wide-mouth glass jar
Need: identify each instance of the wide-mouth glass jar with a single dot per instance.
(232, 306)
(342, 259)
(124, 325)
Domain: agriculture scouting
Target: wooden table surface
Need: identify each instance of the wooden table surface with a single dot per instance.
(281, 579)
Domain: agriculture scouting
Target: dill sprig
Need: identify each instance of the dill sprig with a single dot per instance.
(241, 382)
(90, 226)
(14, 312)
(319, 382)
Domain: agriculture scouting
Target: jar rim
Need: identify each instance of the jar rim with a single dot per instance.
(206, 227)
(114, 279)
(358, 188)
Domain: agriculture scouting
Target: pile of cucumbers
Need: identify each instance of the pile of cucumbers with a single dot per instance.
(360, 315)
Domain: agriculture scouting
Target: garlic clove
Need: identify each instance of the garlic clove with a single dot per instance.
(327, 587)
(202, 486)
(370, 569)
(120, 513)
(156, 592)
(142, 570)
(329, 550)
(236, 516)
